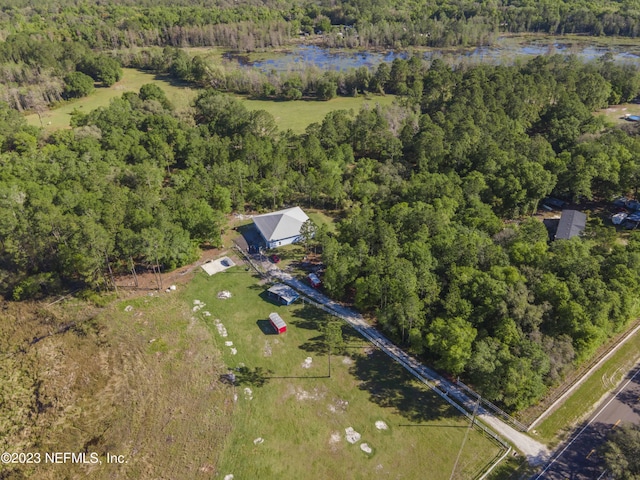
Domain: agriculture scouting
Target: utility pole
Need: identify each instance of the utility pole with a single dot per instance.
(113, 280)
(133, 271)
(464, 440)
(157, 267)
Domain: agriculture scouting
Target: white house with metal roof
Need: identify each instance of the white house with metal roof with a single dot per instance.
(281, 227)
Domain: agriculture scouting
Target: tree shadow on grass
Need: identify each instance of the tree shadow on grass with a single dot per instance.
(256, 377)
(309, 318)
(317, 345)
(390, 386)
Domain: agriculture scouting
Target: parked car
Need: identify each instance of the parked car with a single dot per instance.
(275, 258)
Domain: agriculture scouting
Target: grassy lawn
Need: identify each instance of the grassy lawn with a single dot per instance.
(319, 217)
(557, 425)
(615, 113)
(299, 114)
(295, 115)
(143, 378)
(132, 80)
(289, 420)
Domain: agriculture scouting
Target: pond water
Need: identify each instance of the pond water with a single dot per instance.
(504, 51)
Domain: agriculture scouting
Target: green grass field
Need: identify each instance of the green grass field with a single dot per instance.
(321, 218)
(556, 426)
(289, 421)
(615, 113)
(299, 114)
(295, 115)
(132, 80)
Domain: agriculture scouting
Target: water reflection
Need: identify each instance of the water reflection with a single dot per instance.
(504, 51)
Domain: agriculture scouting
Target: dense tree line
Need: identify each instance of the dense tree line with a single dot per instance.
(45, 43)
(436, 191)
(35, 73)
(621, 452)
(425, 246)
(247, 25)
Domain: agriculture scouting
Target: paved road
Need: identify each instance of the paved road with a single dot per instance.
(535, 452)
(578, 458)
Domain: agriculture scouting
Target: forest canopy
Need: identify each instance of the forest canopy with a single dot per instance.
(437, 190)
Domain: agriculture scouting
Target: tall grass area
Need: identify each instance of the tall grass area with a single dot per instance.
(583, 401)
(138, 379)
(290, 416)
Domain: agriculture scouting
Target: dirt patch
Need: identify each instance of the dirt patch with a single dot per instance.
(351, 435)
(248, 393)
(315, 394)
(380, 425)
(338, 406)
(307, 362)
(146, 280)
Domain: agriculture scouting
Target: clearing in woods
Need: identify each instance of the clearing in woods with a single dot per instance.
(294, 421)
(295, 115)
(146, 378)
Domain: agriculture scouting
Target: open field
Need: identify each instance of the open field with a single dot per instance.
(139, 379)
(290, 416)
(294, 115)
(615, 113)
(556, 426)
(132, 80)
(321, 218)
(143, 378)
(297, 115)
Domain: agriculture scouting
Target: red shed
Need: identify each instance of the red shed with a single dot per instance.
(314, 280)
(277, 323)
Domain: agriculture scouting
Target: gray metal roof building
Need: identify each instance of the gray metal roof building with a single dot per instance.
(572, 224)
(281, 227)
(286, 295)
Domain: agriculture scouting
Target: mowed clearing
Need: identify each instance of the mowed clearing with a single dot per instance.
(291, 420)
(295, 115)
(179, 95)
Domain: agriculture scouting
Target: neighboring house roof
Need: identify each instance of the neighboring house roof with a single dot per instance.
(281, 224)
(571, 224)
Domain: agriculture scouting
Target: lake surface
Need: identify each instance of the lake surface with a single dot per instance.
(504, 51)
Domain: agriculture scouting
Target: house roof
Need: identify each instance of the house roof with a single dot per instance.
(286, 293)
(281, 224)
(572, 223)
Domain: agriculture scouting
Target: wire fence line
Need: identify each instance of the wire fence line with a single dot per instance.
(495, 409)
(411, 366)
(384, 345)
